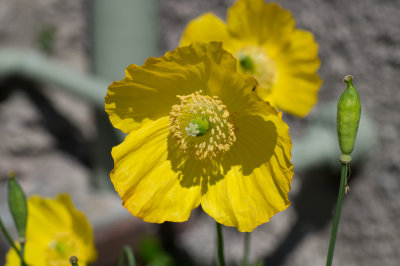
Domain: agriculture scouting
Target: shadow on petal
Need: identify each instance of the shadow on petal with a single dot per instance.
(191, 171)
(255, 145)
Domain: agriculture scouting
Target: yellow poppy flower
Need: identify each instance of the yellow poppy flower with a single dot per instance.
(198, 134)
(55, 232)
(263, 38)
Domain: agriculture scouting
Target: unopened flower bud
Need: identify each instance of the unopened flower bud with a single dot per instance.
(18, 205)
(348, 117)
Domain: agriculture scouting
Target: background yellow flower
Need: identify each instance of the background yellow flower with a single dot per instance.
(55, 232)
(198, 134)
(263, 38)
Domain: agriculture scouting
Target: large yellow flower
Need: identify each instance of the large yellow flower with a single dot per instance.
(198, 134)
(263, 38)
(55, 232)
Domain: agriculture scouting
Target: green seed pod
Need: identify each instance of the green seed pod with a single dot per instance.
(348, 117)
(18, 205)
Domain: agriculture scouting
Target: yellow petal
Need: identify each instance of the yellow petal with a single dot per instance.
(296, 89)
(300, 55)
(46, 218)
(257, 23)
(148, 92)
(34, 255)
(80, 226)
(299, 94)
(143, 176)
(258, 175)
(206, 28)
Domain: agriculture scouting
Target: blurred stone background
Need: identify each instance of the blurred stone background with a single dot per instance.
(49, 136)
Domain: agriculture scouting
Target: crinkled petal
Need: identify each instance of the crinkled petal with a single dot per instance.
(257, 23)
(148, 92)
(143, 176)
(206, 28)
(296, 89)
(259, 173)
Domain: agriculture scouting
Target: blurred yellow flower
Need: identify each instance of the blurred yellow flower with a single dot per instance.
(263, 38)
(198, 134)
(55, 232)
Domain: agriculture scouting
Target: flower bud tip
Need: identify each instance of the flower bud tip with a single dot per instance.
(73, 259)
(348, 78)
(11, 174)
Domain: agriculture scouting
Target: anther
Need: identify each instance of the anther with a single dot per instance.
(199, 116)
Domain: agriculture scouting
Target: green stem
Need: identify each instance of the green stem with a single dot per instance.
(337, 214)
(220, 246)
(11, 242)
(22, 243)
(246, 248)
(126, 256)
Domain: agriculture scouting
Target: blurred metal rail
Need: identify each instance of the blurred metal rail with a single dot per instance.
(42, 68)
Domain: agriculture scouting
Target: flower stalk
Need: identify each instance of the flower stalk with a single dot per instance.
(342, 187)
(220, 245)
(246, 249)
(11, 242)
(126, 257)
(348, 118)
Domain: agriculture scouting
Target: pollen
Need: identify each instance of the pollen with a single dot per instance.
(202, 126)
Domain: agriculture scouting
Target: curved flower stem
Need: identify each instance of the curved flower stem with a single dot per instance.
(11, 242)
(126, 256)
(220, 246)
(343, 181)
(246, 249)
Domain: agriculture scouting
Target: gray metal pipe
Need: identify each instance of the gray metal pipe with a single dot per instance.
(124, 33)
(40, 67)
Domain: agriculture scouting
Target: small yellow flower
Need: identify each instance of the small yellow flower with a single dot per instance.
(263, 38)
(198, 134)
(55, 232)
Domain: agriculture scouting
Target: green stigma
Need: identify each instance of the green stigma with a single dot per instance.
(246, 63)
(60, 248)
(198, 127)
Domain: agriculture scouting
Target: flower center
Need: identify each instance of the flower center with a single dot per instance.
(201, 126)
(198, 126)
(61, 248)
(255, 61)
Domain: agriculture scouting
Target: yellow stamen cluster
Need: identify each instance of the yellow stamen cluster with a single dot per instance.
(255, 61)
(220, 135)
